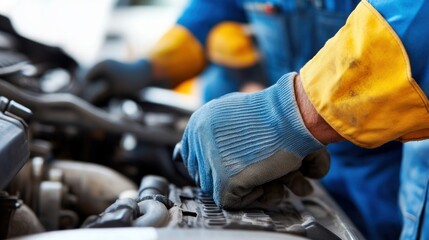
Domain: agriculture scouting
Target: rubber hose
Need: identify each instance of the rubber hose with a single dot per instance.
(154, 214)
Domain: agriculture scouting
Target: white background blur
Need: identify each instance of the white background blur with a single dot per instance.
(92, 30)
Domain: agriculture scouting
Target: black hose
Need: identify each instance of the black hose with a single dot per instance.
(154, 214)
(64, 108)
(153, 203)
(153, 185)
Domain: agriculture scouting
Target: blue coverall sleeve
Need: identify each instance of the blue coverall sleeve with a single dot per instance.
(409, 20)
(201, 16)
(372, 73)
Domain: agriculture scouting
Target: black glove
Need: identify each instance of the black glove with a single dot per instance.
(111, 78)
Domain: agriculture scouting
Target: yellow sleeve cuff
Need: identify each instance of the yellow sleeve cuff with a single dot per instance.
(360, 82)
(177, 56)
(229, 44)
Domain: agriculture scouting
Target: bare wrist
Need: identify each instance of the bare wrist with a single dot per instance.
(317, 126)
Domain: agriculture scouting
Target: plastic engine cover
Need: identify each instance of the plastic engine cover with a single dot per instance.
(14, 146)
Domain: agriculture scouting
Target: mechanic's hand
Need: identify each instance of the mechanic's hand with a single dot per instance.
(120, 79)
(243, 148)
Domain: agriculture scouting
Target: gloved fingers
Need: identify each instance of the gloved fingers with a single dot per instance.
(273, 193)
(316, 165)
(196, 156)
(263, 175)
(99, 70)
(252, 197)
(236, 199)
(297, 183)
(189, 159)
(264, 196)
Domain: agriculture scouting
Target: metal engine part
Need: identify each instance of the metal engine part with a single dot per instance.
(14, 147)
(314, 217)
(62, 193)
(148, 209)
(16, 218)
(95, 186)
(24, 222)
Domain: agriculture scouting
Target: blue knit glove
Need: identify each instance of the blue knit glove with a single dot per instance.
(242, 148)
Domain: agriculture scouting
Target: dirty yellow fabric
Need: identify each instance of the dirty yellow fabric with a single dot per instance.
(178, 56)
(360, 82)
(230, 45)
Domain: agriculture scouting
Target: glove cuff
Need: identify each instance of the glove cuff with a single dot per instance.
(256, 126)
(150, 76)
(290, 124)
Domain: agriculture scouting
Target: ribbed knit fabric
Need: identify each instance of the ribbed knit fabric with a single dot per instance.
(233, 133)
(251, 127)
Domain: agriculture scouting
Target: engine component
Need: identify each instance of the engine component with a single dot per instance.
(153, 185)
(119, 214)
(16, 219)
(14, 147)
(153, 203)
(11, 62)
(24, 222)
(53, 201)
(95, 186)
(50, 204)
(153, 214)
(8, 205)
(62, 193)
(64, 108)
(315, 217)
(150, 208)
(194, 215)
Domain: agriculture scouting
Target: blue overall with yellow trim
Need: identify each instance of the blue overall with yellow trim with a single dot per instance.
(370, 82)
(289, 33)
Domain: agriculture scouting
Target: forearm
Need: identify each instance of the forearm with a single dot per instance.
(317, 126)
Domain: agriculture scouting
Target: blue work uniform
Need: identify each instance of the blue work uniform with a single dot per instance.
(415, 190)
(365, 182)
